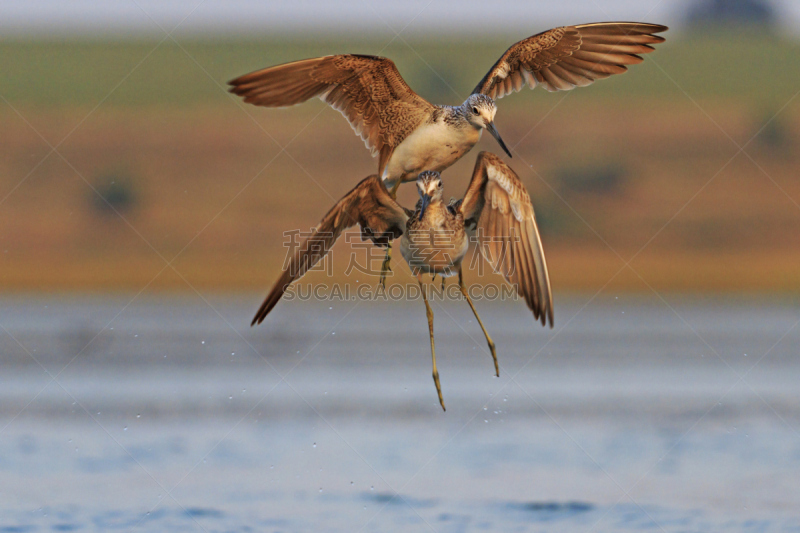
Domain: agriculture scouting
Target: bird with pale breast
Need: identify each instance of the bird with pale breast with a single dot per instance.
(435, 239)
(410, 134)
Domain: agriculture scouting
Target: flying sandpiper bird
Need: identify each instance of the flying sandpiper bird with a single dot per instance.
(408, 133)
(412, 135)
(435, 240)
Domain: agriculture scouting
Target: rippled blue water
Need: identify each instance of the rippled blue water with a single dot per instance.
(629, 415)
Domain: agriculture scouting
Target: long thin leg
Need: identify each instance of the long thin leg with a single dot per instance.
(485, 334)
(393, 192)
(386, 266)
(433, 349)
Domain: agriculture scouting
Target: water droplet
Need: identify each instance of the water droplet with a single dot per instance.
(138, 415)
(351, 482)
(314, 445)
(125, 428)
(485, 421)
(320, 489)
(330, 307)
(202, 342)
(271, 467)
(371, 487)
(230, 397)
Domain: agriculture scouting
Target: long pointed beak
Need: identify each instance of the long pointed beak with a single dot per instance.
(491, 129)
(424, 201)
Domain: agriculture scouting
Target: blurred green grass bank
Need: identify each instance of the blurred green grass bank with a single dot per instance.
(124, 163)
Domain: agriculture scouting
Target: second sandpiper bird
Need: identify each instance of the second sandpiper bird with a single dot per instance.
(435, 241)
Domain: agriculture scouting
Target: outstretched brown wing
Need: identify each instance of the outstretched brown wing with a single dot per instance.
(508, 237)
(369, 205)
(367, 90)
(570, 56)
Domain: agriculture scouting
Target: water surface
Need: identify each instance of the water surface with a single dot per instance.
(172, 414)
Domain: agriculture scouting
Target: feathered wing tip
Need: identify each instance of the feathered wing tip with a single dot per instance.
(282, 85)
(367, 90)
(508, 236)
(572, 56)
(272, 299)
(367, 204)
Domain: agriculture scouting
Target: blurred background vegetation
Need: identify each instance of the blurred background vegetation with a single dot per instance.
(124, 162)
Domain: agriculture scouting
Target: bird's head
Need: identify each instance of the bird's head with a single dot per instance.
(480, 111)
(429, 186)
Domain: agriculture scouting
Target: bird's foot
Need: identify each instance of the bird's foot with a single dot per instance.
(438, 388)
(385, 267)
(382, 280)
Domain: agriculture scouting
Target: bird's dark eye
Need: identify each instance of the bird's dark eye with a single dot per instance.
(475, 110)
